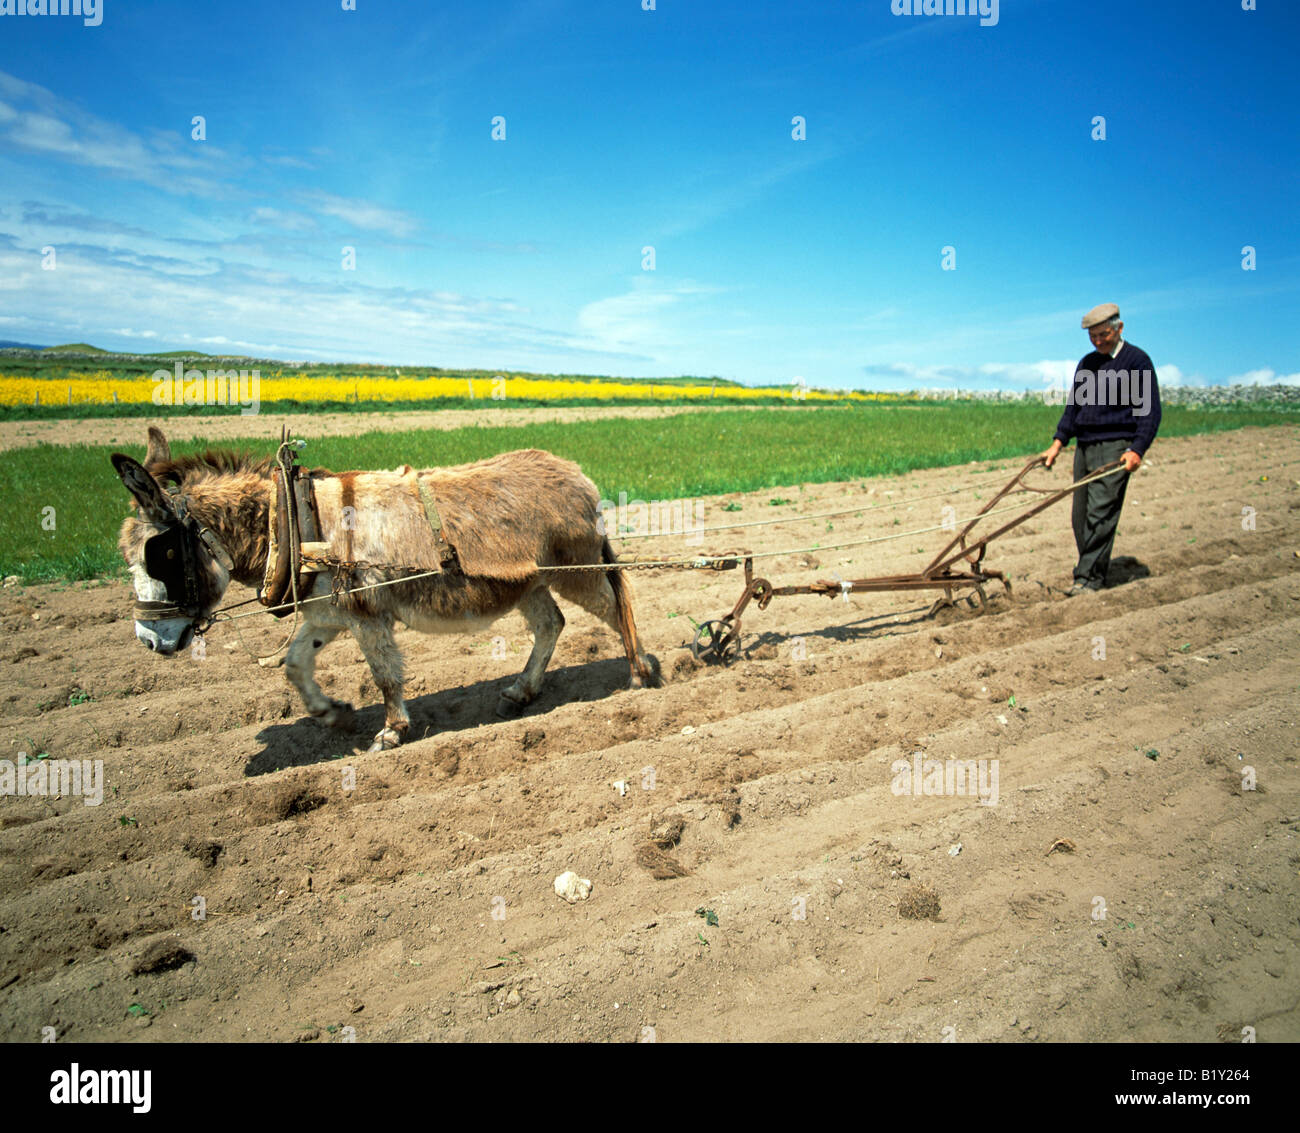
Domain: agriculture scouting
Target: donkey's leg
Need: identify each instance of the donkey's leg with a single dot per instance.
(375, 636)
(300, 668)
(546, 622)
(595, 592)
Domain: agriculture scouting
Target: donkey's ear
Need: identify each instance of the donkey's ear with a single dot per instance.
(152, 500)
(159, 451)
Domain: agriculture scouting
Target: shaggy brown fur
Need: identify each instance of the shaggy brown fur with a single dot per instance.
(506, 517)
(216, 462)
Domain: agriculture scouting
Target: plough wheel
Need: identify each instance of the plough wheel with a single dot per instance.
(716, 641)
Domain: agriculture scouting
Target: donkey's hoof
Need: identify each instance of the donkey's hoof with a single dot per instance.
(652, 678)
(339, 715)
(508, 709)
(386, 740)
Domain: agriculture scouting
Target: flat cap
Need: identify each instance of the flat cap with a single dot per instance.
(1100, 315)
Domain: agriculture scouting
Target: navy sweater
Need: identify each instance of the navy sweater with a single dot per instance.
(1113, 399)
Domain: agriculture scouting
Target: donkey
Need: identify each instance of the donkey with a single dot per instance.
(506, 517)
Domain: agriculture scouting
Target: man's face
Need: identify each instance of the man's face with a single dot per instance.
(1104, 336)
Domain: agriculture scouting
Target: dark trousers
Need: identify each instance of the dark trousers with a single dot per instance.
(1096, 510)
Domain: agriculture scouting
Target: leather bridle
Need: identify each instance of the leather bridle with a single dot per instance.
(173, 558)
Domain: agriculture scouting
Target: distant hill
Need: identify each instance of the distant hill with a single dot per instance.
(7, 345)
(116, 359)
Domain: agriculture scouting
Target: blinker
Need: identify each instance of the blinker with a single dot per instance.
(167, 558)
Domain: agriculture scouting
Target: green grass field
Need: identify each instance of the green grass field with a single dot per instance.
(697, 454)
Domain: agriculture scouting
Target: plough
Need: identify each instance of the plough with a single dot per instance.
(958, 566)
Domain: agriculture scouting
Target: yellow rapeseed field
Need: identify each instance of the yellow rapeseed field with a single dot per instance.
(102, 388)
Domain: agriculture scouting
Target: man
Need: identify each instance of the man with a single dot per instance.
(1113, 412)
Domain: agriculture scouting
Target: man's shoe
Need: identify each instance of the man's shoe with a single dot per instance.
(1079, 588)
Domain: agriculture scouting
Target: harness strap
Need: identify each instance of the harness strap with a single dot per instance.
(294, 520)
(446, 555)
(275, 579)
(156, 611)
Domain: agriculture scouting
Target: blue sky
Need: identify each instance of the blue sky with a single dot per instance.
(775, 258)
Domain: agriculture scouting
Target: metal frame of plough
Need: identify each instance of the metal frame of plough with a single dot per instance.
(719, 640)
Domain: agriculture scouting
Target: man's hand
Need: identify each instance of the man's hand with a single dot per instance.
(1131, 460)
(1049, 457)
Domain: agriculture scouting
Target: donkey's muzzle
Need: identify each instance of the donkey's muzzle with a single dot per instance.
(160, 643)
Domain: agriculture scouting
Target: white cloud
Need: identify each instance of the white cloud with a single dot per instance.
(647, 321)
(363, 214)
(284, 219)
(625, 322)
(101, 297)
(39, 122)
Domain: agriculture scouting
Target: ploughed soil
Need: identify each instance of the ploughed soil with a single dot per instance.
(755, 873)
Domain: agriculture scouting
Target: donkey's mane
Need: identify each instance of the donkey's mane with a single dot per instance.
(214, 462)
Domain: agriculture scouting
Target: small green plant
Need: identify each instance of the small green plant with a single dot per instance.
(710, 917)
(123, 820)
(136, 1011)
(39, 750)
(779, 501)
(79, 696)
(731, 507)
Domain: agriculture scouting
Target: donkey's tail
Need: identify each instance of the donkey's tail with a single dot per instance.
(642, 675)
